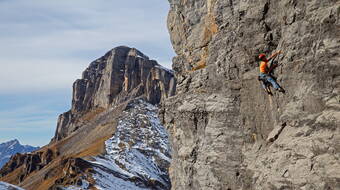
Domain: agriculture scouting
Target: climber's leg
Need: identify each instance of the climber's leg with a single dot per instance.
(273, 82)
(263, 85)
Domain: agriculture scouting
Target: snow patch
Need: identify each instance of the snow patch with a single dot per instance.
(139, 56)
(7, 186)
(138, 154)
(105, 180)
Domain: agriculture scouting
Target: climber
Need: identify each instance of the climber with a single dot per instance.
(266, 73)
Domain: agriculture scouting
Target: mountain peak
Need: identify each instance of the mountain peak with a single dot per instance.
(120, 75)
(15, 141)
(129, 49)
(10, 142)
(9, 148)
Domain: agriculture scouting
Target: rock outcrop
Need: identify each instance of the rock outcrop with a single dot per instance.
(28, 163)
(225, 131)
(120, 75)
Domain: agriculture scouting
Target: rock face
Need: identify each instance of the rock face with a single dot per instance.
(12, 147)
(225, 131)
(121, 74)
(27, 163)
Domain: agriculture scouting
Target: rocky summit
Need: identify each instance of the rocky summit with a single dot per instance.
(226, 132)
(112, 137)
(120, 75)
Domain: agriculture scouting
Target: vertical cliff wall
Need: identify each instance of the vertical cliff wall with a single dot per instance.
(226, 132)
(120, 75)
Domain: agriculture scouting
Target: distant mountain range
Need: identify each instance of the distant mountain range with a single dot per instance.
(12, 147)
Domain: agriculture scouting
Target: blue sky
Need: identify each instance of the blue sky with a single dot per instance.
(45, 45)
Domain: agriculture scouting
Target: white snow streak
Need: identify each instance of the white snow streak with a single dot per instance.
(135, 151)
(7, 186)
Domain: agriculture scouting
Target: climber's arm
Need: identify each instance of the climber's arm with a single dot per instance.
(274, 55)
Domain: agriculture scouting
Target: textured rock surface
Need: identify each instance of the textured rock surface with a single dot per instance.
(226, 132)
(122, 74)
(27, 163)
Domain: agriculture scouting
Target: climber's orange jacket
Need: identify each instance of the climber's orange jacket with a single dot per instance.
(264, 67)
(264, 63)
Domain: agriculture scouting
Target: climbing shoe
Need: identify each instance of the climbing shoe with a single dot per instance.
(281, 90)
(269, 92)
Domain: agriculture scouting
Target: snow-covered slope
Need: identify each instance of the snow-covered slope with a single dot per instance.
(137, 155)
(139, 152)
(7, 186)
(12, 147)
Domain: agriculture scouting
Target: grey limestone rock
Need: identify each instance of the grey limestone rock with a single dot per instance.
(220, 118)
